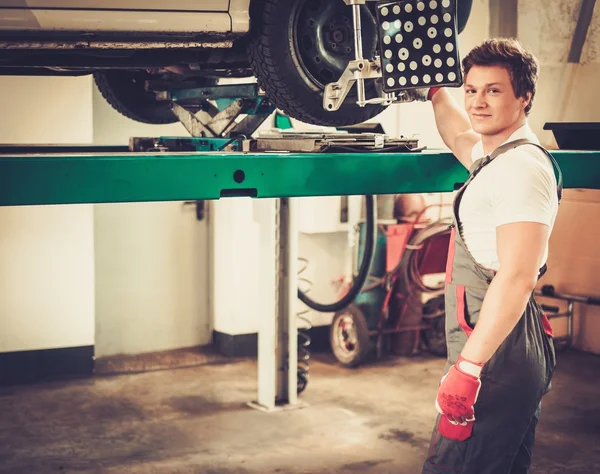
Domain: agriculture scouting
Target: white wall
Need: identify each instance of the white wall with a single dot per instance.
(241, 264)
(152, 261)
(46, 252)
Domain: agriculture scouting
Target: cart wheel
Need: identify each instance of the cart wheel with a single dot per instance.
(434, 316)
(349, 336)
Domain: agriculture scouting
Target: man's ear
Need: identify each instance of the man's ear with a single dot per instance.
(525, 100)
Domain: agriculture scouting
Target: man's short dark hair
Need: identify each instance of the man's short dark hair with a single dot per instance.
(521, 64)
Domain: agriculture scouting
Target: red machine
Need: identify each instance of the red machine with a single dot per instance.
(401, 307)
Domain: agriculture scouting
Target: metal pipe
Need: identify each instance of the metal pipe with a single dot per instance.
(558, 315)
(358, 52)
(289, 290)
(357, 32)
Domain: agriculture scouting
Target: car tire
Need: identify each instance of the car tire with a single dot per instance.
(298, 46)
(124, 91)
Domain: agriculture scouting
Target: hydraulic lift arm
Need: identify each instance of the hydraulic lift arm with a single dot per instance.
(72, 178)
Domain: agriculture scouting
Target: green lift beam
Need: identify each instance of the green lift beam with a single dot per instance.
(108, 176)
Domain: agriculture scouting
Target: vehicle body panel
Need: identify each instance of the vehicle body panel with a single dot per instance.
(172, 5)
(125, 16)
(121, 21)
(239, 10)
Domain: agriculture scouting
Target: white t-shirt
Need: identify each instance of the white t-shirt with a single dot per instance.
(517, 186)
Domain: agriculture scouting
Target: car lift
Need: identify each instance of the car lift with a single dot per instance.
(214, 165)
(221, 159)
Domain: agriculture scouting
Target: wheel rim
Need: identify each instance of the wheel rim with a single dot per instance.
(323, 35)
(346, 336)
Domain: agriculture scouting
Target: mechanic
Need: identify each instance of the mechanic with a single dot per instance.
(500, 351)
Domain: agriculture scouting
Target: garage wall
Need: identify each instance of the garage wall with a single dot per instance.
(243, 266)
(151, 261)
(566, 92)
(46, 252)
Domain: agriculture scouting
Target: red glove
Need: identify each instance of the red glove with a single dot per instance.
(456, 398)
(432, 92)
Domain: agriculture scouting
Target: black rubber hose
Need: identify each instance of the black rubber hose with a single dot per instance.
(363, 271)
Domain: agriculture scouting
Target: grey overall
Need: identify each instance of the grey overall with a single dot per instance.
(515, 378)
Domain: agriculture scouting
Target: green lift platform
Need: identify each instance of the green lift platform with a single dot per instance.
(75, 177)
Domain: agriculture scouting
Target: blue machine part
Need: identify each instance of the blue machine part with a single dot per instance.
(194, 144)
(370, 300)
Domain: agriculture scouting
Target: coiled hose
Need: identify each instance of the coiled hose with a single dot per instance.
(363, 272)
(410, 272)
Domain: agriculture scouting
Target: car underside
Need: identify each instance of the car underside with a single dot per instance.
(294, 48)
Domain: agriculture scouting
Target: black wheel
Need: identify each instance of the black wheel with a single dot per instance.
(299, 46)
(124, 90)
(302, 381)
(349, 336)
(434, 336)
(463, 12)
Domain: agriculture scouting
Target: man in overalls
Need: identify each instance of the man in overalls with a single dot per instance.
(500, 351)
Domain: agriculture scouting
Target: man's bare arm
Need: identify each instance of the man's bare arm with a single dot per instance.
(520, 251)
(454, 126)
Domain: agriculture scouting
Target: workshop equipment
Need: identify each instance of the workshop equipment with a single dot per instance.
(575, 135)
(213, 117)
(389, 312)
(553, 312)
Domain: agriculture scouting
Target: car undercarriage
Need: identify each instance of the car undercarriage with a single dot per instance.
(319, 61)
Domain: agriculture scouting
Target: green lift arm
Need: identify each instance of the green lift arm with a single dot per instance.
(104, 177)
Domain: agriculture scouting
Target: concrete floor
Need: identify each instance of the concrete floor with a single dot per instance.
(375, 419)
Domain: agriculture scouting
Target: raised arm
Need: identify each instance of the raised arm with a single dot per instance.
(454, 126)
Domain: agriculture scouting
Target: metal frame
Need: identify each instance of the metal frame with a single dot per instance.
(138, 177)
(553, 312)
(278, 336)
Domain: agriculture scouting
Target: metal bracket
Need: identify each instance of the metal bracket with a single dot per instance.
(357, 70)
(217, 126)
(208, 120)
(204, 124)
(396, 73)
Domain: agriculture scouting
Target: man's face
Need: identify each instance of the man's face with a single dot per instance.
(490, 100)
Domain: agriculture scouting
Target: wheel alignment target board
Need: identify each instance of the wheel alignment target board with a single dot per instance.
(418, 44)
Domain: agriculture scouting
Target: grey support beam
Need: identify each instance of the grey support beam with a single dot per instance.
(581, 30)
(504, 18)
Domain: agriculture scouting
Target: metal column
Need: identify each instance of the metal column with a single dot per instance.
(278, 332)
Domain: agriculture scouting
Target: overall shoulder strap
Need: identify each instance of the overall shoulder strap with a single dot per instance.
(481, 162)
(524, 141)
